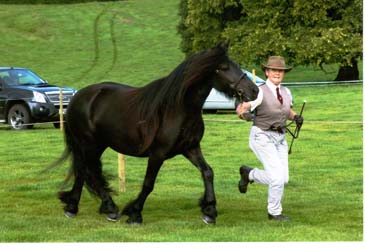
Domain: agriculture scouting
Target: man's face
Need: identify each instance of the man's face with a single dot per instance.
(275, 75)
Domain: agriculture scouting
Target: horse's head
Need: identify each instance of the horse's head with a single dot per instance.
(233, 82)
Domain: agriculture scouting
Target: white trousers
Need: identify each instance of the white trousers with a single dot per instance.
(271, 149)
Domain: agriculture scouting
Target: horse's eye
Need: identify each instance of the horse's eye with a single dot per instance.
(223, 67)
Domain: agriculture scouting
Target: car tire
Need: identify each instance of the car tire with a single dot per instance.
(19, 117)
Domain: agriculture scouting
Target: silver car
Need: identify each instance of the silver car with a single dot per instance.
(218, 101)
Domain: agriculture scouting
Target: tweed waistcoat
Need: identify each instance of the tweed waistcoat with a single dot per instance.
(270, 113)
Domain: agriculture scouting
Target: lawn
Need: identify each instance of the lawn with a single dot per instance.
(136, 42)
(324, 197)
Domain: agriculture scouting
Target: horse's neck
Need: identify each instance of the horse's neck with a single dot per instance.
(197, 95)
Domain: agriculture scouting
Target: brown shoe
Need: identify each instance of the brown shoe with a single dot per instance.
(279, 217)
(243, 183)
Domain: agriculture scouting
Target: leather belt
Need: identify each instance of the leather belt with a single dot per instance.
(279, 129)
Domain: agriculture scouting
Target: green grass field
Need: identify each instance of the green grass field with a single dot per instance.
(323, 198)
(135, 42)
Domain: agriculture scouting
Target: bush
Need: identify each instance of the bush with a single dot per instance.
(52, 1)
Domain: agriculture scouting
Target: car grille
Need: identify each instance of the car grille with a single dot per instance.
(54, 97)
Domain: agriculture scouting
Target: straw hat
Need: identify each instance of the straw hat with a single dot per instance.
(276, 62)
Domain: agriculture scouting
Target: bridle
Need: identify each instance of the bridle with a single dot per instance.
(233, 85)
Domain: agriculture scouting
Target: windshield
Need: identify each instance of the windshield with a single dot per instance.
(20, 77)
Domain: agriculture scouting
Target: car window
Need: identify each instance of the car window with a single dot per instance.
(4, 74)
(20, 77)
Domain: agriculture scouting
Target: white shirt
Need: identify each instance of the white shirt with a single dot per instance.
(255, 103)
(273, 87)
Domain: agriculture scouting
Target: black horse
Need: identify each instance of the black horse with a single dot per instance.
(158, 121)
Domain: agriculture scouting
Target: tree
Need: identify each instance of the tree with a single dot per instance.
(304, 31)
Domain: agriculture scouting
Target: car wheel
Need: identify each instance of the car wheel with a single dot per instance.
(19, 117)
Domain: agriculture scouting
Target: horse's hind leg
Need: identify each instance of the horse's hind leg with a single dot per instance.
(87, 169)
(98, 185)
(71, 198)
(102, 189)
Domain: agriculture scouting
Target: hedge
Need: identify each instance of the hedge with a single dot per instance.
(52, 1)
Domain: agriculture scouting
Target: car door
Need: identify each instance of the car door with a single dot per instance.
(2, 100)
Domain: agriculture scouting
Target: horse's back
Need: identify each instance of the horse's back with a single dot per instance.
(87, 100)
(104, 86)
(104, 113)
(88, 95)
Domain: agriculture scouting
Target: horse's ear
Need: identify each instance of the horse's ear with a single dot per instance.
(221, 48)
(224, 46)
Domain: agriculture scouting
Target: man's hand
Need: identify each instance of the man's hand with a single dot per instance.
(298, 120)
(243, 111)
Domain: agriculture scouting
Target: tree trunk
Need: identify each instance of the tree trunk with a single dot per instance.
(348, 72)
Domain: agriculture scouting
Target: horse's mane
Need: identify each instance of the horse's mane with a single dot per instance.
(151, 101)
(170, 90)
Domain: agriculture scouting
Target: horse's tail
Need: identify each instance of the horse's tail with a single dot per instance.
(65, 155)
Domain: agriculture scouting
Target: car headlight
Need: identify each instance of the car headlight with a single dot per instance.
(39, 97)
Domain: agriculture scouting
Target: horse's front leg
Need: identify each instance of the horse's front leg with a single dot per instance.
(134, 209)
(208, 201)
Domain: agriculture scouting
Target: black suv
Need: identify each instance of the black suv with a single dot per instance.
(25, 98)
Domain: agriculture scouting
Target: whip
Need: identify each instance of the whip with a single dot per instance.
(295, 135)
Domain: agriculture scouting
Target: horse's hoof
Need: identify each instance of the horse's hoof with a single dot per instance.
(113, 217)
(69, 214)
(134, 222)
(208, 220)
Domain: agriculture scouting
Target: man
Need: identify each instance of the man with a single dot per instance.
(273, 108)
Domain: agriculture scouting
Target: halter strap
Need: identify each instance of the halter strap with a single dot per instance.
(234, 84)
